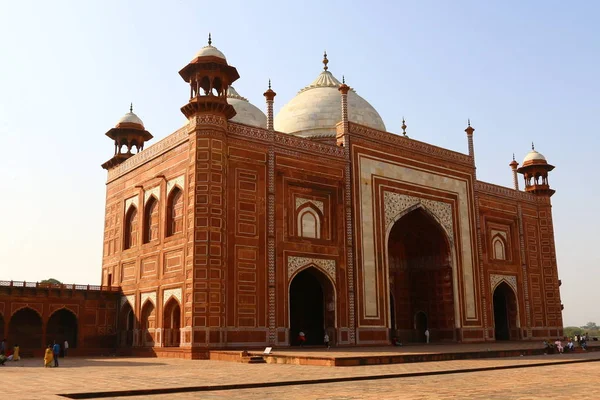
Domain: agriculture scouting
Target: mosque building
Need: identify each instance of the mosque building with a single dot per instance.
(243, 228)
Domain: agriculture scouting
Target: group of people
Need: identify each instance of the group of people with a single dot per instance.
(569, 346)
(8, 355)
(53, 352)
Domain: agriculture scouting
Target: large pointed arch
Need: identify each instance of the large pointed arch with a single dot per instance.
(505, 305)
(148, 323)
(419, 259)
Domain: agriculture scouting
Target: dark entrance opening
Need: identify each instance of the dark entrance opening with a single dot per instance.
(172, 323)
(62, 326)
(505, 313)
(25, 329)
(420, 276)
(421, 326)
(2, 327)
(126, 323)
(312, 307)
(392, 317)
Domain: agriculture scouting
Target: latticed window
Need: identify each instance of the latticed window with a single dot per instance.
(175, 212)
(151, 220)
(131, 228)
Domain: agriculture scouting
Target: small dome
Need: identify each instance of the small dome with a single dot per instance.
(246, 112)
(130, 118)
(210, 51)
(317, 109)
(534, 157)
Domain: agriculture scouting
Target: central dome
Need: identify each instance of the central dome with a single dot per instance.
(246, 112)
(317, 109)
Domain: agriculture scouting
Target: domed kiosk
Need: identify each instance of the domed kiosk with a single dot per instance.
(317, 109)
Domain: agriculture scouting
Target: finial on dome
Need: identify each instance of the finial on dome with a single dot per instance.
(269, 83)
(514, 157)
(325, 61)
(209, 39)
(469, 121)
(343, 79)
(532, 146)
(131, 107)
(403, 126)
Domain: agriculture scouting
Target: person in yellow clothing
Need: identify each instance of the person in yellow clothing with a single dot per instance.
(48, 357)
(16, 356)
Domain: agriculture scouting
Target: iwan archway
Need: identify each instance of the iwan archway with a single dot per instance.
(311, 306)
(420, 278)
(506, 314)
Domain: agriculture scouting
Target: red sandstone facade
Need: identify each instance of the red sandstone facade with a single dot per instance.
(226, 235)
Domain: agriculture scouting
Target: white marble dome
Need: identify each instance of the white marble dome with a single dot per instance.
(246, 112)
(534, 156)
(317, 109)
(130, 118)
(210, 51)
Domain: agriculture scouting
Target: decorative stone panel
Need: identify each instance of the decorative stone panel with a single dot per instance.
(148, 296)
(132, 201)
(319, 204)
(175, 182)
(495, 280)
(396, 204)
(326, 265)
(128, 298)
(175, 292)
(155, 191)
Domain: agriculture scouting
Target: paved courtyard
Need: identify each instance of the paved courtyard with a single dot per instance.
(28, 380)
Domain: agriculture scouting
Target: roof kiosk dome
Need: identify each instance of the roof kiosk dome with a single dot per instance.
(210, 51)
(317, 109)
(130, 120)
(533, 157)
(246, 112)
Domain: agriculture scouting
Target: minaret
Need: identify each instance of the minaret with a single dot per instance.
(270, 96)
(341, 137)
(470, 131)
(129, 133)
(513, 166)
(209, 77)
(535, 169)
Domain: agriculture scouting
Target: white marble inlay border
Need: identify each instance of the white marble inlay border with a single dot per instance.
(326, 265)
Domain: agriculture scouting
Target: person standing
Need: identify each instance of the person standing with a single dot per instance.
(56, 353)
(48, 356)
(65, 348)
(301, 338)
(3, 347)
(326, 340)
(427, 335)
(16, 356)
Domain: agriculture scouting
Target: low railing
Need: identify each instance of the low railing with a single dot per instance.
(62, 286)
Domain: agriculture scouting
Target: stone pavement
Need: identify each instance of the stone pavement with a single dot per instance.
(27, 379)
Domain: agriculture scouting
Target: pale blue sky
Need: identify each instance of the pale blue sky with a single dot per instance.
(522, 71)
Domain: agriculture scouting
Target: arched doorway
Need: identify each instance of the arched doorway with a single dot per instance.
(312, 307)
(420, 276)
(172, 323)
(505, 313)
(126, 325)
(61, 326)
(25, 329)
(148, 324)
